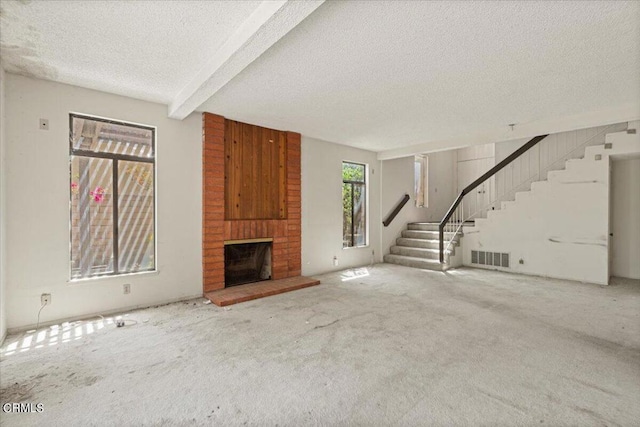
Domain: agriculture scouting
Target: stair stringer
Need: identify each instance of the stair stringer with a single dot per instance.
(560, 227)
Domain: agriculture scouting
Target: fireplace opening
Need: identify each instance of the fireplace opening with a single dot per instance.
(246, 262)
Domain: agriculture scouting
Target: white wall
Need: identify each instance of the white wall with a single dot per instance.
(625, 211)
(398, 180)
(442, 184)
(559, 228)
(472, 163)
(322, 207)
(37, 204)
(3, 300)
(549, 154)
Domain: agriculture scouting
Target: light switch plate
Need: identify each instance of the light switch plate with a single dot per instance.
(44, 124)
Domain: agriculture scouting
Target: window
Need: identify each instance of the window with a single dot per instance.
(421, 173)
(112, 203)
(354, 205)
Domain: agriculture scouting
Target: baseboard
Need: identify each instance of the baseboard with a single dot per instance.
(19, 329)
(522, 273)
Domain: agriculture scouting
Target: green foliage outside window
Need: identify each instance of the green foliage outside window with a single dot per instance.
(353, 204)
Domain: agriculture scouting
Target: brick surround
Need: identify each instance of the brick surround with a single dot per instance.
(286, 233)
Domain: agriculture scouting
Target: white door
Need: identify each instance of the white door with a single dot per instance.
(624, 226)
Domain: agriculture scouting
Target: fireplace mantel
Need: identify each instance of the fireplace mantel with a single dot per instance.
(241, 241)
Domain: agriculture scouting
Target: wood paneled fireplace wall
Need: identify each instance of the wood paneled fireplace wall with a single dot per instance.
(250, 190)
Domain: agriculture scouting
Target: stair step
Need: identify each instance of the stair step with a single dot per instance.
(423, 226)
(495, 213)
(591, 151)
(418, 243)
(505, 205)
(580, 166)
(407, 261)
(522, 195)
(540, 185)
(429, 235)
(481, 221)
(419, 252)
(555, 175)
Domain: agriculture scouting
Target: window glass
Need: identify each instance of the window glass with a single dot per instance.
(136, 213)
(421, 172)
(354, 205)
(89, 134)
(91, 217)
(112, 191)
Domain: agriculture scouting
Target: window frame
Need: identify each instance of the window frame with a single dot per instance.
(365, 185)
(422, 200)
(115, 159)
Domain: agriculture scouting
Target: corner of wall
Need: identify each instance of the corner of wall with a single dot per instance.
(321, 183)
(3, 308)
(26, 147)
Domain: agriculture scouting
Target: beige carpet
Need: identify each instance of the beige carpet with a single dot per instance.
(387, 345)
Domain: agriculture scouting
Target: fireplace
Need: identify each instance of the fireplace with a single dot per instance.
(250, 195)
(247, 261)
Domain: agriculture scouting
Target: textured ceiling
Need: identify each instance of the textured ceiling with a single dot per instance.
(143, 49)
(384, 75)
(376, 75)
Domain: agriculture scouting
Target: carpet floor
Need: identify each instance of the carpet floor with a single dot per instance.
(383, 345)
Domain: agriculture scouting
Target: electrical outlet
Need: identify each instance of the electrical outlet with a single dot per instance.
(126, 288)
(335, 261)
(45, 299)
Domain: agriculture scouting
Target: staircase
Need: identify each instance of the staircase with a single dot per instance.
(418, 247)
(557, 228)
(560, 227)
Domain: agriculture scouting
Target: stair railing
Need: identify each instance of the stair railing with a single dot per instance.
(506, 183)
(396, 210)
(530, 166)
(455, 216)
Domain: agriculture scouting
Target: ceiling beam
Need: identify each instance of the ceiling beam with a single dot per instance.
(264, 27)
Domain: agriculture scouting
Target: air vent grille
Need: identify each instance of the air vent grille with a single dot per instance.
(495, 259)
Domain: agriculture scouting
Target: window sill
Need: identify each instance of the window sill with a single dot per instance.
(356, 247)
(112, 277)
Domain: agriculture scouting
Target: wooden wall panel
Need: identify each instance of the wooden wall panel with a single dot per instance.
(247, 174)
(272, 185)
(265, 168)
(255, 172)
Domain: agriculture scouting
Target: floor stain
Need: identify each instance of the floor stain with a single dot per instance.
(16, 393)
(328, 324)
(503, 401)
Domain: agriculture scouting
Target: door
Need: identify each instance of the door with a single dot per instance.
(624, 227)
(477, 202)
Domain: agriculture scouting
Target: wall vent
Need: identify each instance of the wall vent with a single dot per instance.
(495, 259)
